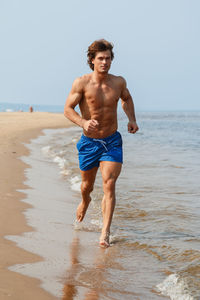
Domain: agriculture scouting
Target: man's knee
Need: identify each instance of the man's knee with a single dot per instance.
(86, 187)
(109, 184)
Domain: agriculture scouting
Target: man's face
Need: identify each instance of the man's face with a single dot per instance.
(102, 61)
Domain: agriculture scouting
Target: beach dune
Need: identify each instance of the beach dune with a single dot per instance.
(17, 128)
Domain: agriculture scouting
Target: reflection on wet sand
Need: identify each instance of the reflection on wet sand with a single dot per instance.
(98, 273)
(70, 290)
(82, 279)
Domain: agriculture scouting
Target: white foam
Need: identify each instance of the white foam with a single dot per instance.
(65, 172)
(97, 223)
(46, 150)
(85, 226)
(175, 287)
(75, 183)
(60, 161)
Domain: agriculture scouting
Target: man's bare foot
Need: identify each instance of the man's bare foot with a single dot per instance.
(81, 210)
(104, 239)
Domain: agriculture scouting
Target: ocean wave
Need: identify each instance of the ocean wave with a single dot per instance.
(176, 288)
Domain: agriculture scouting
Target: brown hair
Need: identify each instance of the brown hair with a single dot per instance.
(98, 46)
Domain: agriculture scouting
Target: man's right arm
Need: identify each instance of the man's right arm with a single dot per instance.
(72, 101)
(74, 98)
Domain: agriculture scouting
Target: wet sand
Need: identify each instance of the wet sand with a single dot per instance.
(18, 128)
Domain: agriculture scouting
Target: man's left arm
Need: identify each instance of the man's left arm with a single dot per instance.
(128, 107)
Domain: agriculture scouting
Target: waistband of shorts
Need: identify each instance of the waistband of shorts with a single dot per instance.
(102, 139)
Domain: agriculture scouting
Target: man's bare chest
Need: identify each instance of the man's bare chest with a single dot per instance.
(102, 94)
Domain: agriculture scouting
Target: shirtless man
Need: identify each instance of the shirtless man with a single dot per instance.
(97, 95)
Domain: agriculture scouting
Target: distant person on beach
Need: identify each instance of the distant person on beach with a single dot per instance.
(100, 145)
(31, 109)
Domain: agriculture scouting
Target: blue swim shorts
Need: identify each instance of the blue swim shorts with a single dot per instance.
(92, 151)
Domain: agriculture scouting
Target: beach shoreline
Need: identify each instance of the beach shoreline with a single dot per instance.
(17, 129)
(58, 258)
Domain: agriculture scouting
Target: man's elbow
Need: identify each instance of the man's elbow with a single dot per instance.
(66, 112)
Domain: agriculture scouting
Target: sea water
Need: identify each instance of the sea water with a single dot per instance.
(15, 107)
(155, 234)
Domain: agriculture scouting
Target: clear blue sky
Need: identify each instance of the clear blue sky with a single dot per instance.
(156, 46)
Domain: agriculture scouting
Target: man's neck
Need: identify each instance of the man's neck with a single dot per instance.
(99, 77)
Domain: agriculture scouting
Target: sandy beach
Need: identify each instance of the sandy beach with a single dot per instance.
(18, 128)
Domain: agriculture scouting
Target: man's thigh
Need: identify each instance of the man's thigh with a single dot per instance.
(89, 175)
(110, 170)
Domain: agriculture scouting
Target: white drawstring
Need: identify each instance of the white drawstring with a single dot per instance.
(103, 143)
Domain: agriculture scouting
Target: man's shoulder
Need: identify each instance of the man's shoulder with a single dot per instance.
(118, 79)
(81, 81)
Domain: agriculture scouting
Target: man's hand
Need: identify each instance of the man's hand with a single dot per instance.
(90, 125)
(132, 127)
